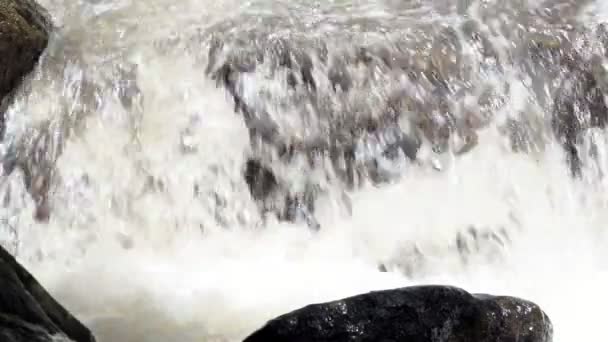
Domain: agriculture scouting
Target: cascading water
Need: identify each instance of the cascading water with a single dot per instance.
(138, 217)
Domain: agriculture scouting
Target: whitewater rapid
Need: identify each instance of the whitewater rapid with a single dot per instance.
(136, 263)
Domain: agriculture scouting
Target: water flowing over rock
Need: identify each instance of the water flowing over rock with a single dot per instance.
(24, 33)
(421, 313)
(28, 313)
(420, 142)
(382, 102)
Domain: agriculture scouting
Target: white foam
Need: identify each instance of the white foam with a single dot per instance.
(157, 266)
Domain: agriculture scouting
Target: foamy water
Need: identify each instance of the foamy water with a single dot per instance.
(147, 243)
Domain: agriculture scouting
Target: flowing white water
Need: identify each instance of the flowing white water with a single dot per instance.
(137, 247)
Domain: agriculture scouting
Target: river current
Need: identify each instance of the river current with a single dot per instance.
(154, 236)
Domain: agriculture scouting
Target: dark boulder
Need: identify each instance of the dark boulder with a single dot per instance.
(28, 313)
(24, 34)
(413, 314)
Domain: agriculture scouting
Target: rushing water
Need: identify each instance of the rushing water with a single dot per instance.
(153, 234)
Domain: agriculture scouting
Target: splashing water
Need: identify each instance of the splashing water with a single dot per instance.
(154, 236)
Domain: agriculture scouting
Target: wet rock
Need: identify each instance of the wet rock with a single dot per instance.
(28, 313)
(300, 207)
(565, 72)
(579, 105)
(420, 313)
(338, 133)
(261, 180)
(338, 129)
(524, 134)
(446, 56)
(15, 330)
(24, 33)
(339, 76)
(441, 80)
(473, 33)
(273, 197)
(545, 58)
(35, 155)
(86, 88)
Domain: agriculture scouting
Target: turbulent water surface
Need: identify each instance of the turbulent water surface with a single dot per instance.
(138, 217)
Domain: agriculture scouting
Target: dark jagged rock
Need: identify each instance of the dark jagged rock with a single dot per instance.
(24, 34)
(27, 312)
(416, 314)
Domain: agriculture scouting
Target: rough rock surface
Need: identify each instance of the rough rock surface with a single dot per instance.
(28, 313)
(414, 314)
(24, 34)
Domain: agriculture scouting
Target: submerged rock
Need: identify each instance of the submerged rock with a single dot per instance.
(579, 106)
(420, 313)
(271, 197)
(364, 112)
(24, 33)
(28, 313)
